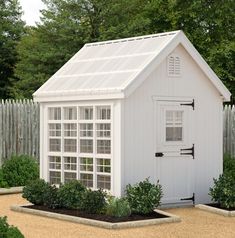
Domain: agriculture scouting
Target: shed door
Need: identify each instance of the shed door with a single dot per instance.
(175, 150)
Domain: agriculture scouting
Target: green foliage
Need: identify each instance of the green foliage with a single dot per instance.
(7, 231)
(223, 190)
(51, 197)
(70, 194)
(35, 191)
(11, 30)
(118, 207)
(229, 164)
(144, 197)
(93, 201)
(3, 182)
(19, 170)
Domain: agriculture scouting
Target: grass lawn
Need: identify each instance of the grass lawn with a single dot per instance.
(195, 223)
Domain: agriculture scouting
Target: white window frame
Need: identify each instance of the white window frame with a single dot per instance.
(77, 154)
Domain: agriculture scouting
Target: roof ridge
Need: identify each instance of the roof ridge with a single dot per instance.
(143, 37)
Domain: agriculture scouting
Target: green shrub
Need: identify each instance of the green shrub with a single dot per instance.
(118, 207)
(51, 197)
(3, 182)
(93, 201)
(7, 231)
(19, 170)
(35, 191)
(229, 164)
(70, 194)
(144, 197)
(223, 190)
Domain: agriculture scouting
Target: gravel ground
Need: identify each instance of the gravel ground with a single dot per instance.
(195, 224)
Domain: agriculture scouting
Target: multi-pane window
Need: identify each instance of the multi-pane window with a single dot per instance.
(80, 145)
(55, 162)
(174, 125)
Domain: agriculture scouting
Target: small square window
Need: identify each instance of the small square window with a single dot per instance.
(54, 113)
(86, 113)
(70, 130)
(87, 179)
(68, 176)
(55, 177)
(103, 146)
(55, 162)
(86, 164)
(70, 163)
(103, 130)
(86, 146)
(55, 145)
(54, 130)
(103, 113)
(103, 166)
(104, 181)
(86, 130)
(70, 145)
(70, 113)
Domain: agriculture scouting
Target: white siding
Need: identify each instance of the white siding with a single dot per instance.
(139, 124)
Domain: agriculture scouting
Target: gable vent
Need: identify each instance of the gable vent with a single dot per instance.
(174, 66)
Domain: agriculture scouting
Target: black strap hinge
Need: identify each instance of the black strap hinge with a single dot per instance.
(189, 199)
(189, 151)
(192, 104)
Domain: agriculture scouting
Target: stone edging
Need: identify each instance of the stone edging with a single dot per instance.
(102, 224)
(216, 210)
(11, 190)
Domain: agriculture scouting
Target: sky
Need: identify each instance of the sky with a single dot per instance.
(31, 11)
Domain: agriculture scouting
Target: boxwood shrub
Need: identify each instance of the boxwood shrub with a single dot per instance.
(7, 231)
(223, 191)
(70, 194)
(19, 170)
(3, 182)
(144, 197)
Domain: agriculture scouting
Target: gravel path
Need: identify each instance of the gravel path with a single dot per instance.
(195, 224)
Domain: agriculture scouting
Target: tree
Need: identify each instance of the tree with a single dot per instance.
(11, 30)
(68, 24)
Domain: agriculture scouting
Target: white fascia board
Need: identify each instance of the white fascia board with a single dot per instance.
(205, 67)
(83, 97)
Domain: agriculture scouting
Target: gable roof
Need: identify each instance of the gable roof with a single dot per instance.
(114, 69)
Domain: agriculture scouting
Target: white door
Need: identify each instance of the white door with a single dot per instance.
(175, 150)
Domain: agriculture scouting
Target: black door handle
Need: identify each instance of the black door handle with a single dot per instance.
(159, 154)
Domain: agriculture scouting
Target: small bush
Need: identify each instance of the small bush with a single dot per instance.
(51, 197)
(3, 182)
(118, 207)
(144, 197)
(93, 201)
(7, 231)
(19, 170)
(70, 194)
(223, 190)
(36, 191)
(229, 164)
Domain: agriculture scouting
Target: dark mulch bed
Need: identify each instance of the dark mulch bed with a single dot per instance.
(216, 205)
(99, 217)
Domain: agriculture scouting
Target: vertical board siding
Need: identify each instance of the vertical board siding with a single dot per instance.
(19, 128)
(229, 129)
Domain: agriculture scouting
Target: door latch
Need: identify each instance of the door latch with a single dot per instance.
(159, 154)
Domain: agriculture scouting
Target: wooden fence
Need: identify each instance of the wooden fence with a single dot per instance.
(19, 128)
(229, 129)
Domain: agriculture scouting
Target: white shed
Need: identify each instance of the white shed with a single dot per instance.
(121, 111)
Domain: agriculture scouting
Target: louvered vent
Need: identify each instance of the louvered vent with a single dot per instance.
(174, 67)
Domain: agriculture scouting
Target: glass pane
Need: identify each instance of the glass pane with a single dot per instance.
(86, 146)
(70, 163)
(54, 113)
(55, 177)
(103, 146)
(54, 145)
(54, 162)
(103, 130)
(86, 164)
(103, 166)
(70, 113)
(70, 145)
(68, 176)
(86, 113)
(174, 133)
(86, 130)
(86, 179)
(70, 129)
(103, 113)
(55, 130)
(104, 181)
